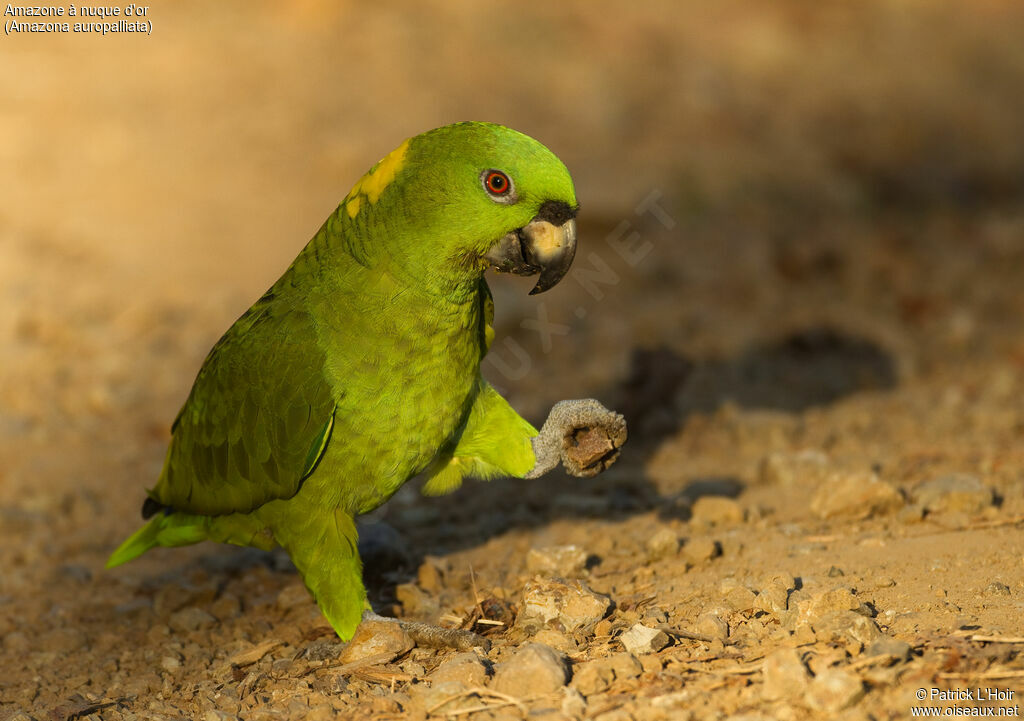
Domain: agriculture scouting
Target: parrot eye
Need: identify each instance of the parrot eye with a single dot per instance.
(498, 186)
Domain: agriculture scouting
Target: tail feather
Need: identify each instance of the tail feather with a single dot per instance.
(173, 528)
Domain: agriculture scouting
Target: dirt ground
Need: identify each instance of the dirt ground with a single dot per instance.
(801, 278)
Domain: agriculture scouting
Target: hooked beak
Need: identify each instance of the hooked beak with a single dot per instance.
(544, 245)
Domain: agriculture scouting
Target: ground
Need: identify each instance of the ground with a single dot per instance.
(801, 278)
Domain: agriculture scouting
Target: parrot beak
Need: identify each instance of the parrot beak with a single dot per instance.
(541, 246)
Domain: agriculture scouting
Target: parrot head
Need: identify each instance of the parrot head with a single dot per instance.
(459, 199)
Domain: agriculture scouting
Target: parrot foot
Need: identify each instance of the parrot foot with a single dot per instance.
(427, 635)
(583, 435)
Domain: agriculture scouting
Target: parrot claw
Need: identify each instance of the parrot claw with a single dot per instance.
(427, 635)
(583, 435)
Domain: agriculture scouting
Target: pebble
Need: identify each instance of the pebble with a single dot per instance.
(215, 715)
(467, 668)
(561, 605)
(888, 646)
(170, 663)
(562, 561)
(855, 495)
(784, 675)
(716, 511)
(415, 601)
(663, 543)
(996, 588)
(701, 550)
(429, 576)
(190, 619)
(713, 626)
(573, 705)
(251, 655)
(555, 639)
(432, 696)
(773, 595)
(834, 690)
(642, 639)
(597, 675)
(384, 639)
(847, 627)
(534, 669)
(226, 607)
(293, 595)
(787, 469)
(736, 596)
(954, 493)
(814, 605)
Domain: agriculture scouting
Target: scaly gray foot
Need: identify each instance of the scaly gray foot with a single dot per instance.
(425, 634)
(583, 435)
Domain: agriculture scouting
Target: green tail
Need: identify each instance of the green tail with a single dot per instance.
(322, 544)
(184, 529)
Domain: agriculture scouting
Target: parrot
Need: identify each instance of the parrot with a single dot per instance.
(360, 368)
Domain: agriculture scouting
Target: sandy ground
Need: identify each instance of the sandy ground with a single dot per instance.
(814, 329)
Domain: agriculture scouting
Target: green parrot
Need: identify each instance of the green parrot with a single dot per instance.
(360, 367)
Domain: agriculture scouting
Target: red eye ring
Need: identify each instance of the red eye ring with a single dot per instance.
(497, 183)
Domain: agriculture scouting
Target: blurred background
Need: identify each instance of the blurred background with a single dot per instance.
(782, 204)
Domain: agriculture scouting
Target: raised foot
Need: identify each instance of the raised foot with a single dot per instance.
(425, 634)
(581, 434)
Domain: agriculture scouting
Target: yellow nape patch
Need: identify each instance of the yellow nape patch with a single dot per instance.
(381, 175)
(352, 206)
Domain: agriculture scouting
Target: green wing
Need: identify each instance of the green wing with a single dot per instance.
(258, 419)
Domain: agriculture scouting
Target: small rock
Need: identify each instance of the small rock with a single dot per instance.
(573, 704)
(562, 561)
(834, 690)
(701, 550)
(415, 601)
(561, 605)
(855, 495)
(597, 675)
(784, 675)
(846, 627)
(17, 642)
(642, 639)
(887, 646)
(21, 716)
(226, 607)
(382, 640)
(737, 596)
(773, 594)
(616, 714)
(251, 655)
(433, 696)
(215, 715)
(716, 511)
(467, 668)
(713, 626)
(996, 588)
(651, 663)
(787, 469)
(663, 543)
(954, 493)
(835, 572)
(170, 663)
(534, 669)
(170, 598)
(555, 639)
(838, 598)
(429, 576)
(293, 595)
(190, 619)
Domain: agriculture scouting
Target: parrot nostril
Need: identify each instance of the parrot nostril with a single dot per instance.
(556, 212)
